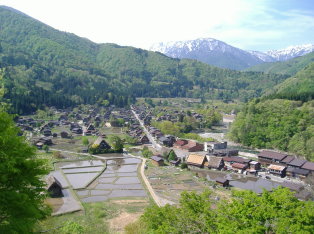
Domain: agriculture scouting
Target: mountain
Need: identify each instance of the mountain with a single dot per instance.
(220, 54)
(41, 66)
(290, 67)
(210, 51)
(284, 54)
(290, 52)
(262, 56)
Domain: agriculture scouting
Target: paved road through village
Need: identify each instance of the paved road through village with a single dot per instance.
(150, 137)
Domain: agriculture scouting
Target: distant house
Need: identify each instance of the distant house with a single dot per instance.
(296, 163)
(166, 141)
(255, 165)
(144, 139)
(225, 152)
(179, 143)
(90, 128)
(77, 130)
(297, 172)
(45, 140)
(86, 120)
(222, 181)
(287, 160)
(211, 146)
(47, 132)
(193, 146)
(235, 159)
(308, 166)
(277, 170)
(64, 134)
(270, 157)
(74, 125)
(196, 160)
(239, 167)
(102, 144)
(54, 187)
(215, 163)
(157, 161)
(39, 145)
(175, 162)
(63, 117)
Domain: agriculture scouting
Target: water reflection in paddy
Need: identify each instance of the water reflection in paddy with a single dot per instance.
(120, 179)
(128, 180)
(80, 180)
(89, 163)
(83, 170)
(254, 184)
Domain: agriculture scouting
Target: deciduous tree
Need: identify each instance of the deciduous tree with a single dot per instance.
(21, 185)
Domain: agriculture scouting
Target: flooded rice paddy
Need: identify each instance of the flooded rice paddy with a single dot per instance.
(99, 180)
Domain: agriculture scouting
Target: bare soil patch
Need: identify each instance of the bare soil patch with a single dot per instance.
(118, 223)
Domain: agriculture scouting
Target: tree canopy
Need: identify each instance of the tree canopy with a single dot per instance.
(271, 212)
(44, 66)
(21, 187)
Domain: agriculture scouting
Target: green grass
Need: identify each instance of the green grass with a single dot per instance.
(93, 219)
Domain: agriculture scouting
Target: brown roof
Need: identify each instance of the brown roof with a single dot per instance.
(196, 159)
(308, 166)
(190, 144)
(272, 155)
(236, 159)
(297, 162)
(276, 167)
(239, 165)
(214, 161)
(181, 142)
(287, 159)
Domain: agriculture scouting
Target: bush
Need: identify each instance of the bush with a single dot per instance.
(57, 154)
(184, 165)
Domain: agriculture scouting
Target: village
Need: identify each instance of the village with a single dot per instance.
(87, 165)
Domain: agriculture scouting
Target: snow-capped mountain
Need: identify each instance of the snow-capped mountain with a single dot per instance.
(209, 50)
(262, 56)
(220, 54)
(291, 52)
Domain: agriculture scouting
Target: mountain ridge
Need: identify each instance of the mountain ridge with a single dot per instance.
(46, 67)
(221, 54)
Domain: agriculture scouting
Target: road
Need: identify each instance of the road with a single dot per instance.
(158, 200)
(150, 137)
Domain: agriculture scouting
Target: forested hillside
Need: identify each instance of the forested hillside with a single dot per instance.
(290, 67)
(287, 123)
(43, 66)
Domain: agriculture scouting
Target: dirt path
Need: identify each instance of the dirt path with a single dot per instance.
(158, 200)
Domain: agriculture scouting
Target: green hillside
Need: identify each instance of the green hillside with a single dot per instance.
(290, 67)
(43, 66)
(301, 86)
(284, 120)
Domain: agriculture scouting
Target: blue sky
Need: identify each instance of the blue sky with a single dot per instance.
(247, 24)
